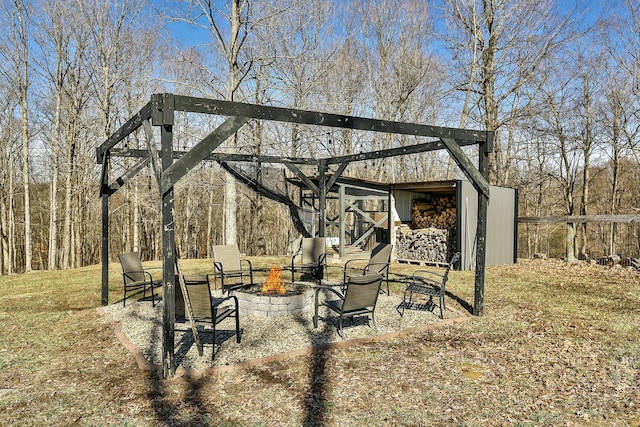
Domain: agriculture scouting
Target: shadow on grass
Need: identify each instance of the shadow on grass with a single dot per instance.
(315, 399)
(190, 410)
(464, 304)
(186, 408)
(316, 396)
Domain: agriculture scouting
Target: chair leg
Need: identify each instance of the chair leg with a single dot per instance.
(404, 303)
(153, 296)
(213, 344)
(237, 316)
(315, 310)
(237, 327)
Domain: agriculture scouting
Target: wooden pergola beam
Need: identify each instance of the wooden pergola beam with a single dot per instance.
(177, 170)
(579, 219)
(292, 115)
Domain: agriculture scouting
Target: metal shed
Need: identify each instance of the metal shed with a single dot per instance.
(502, 217)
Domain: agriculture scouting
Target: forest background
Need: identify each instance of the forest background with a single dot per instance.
(556, 80)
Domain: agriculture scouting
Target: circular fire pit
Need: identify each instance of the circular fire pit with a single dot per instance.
(298, 299)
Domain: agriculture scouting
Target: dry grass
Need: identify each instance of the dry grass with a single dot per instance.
(558, 345)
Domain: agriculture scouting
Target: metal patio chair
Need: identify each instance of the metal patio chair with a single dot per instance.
(227, 263)
(378, 262)
(428, 284)
(310, 257)
(206, 311)
(358, 299)
(135, 277)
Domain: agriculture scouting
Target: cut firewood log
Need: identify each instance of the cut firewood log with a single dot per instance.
(427, 244)
(438, 212)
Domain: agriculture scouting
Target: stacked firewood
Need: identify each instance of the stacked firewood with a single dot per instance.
(430, 235)
(427, 244)
(438, 212)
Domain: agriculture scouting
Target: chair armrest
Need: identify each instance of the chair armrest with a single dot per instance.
(127, 275)
(217, 266)
(332, 289)
(346, 267)
(381, 265)
(322, 259)
(248, 262)
(296, 253)
(153, 282)
(222, 300)
(346, 264)
(432, 276)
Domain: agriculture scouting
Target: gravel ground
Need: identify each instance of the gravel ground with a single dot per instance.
(261, 337)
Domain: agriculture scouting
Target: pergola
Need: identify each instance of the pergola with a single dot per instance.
(169, 166)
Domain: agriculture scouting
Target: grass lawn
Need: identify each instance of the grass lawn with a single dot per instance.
(559, 344)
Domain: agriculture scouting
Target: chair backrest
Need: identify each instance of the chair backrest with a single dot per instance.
(296, 245)
(455, 258)
(381, 255)
(312, 248)
(199, 294)
(228, 256)
(362, 292)
(131, 267)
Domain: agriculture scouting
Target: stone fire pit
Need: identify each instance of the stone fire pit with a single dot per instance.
(298, 299)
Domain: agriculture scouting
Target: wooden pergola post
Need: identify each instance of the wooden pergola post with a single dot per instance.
(481, 231)
(163, 116)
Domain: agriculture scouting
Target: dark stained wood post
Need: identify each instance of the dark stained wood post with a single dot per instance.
(105, 249)
(322, 198)
(162, 115)
(485, 147)
(104, 195)
(341, 226)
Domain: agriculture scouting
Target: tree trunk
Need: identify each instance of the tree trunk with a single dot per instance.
(53, 199)
(571, 241)
(230, 191)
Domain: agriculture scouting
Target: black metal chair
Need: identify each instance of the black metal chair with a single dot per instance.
(428, 284)
(135, 277)
(378, 262)
(358, 299)
(227, 264)
(311, 258)
(206, 310)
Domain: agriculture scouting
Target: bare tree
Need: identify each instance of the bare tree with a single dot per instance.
(55, 42)
(403, 78)
(230, 26)
(589, 64)
(619, 115)
(229, 30)
(14, 50)
(557, 107)
(7, 196)
(497, 47)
